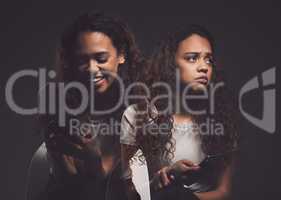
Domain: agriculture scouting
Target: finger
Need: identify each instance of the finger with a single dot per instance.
(192, 168)
(164, 177)
(188, 162)
(184, 168)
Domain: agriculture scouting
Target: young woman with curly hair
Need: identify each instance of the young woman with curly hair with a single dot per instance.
(175, 147)
(94, 51)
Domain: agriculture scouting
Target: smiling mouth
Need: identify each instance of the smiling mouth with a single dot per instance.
(98, 79)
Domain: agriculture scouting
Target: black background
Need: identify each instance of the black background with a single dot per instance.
(248, 43)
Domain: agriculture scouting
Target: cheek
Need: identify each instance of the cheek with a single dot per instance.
(210, 73)
(110, 66)
(113, 65)
(186, 71)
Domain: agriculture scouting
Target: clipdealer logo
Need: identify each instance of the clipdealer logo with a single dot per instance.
(267, 85)
(268, 120)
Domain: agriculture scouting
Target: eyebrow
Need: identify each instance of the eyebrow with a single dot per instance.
(100, 53)
(94, 54)
(207, 53)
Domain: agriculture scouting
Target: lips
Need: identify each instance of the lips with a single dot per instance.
(98, 79)
(202, 79)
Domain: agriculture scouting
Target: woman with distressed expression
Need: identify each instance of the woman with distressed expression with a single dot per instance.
(184, 160)
(99, 52)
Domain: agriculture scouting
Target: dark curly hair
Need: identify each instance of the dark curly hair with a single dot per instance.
(162, 68)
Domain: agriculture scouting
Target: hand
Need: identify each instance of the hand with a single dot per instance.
(161, 178)
(166, 175)
(73, 145)
(183, 166)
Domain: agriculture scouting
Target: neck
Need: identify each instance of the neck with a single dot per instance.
(108, 99)
(180, 118)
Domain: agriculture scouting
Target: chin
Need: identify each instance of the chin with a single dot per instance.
(199, 87)
(101, 89)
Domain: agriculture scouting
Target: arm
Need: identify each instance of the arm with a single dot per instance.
(128, 149)
(38, 174)
(127, 152)
(223, 190)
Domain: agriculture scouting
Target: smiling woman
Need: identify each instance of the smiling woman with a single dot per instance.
(97, 55)
(94, 50)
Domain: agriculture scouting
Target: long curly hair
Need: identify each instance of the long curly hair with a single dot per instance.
(162, 68)
(122, 39)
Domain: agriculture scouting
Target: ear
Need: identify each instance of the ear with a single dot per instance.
(121, 59)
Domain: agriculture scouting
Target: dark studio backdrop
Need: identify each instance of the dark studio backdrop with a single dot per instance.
(248, 43)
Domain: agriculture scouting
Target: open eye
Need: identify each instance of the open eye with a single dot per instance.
(209, 60)
(191, 57)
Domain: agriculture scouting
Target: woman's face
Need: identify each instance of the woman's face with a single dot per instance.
(195, 61)
(97, 56)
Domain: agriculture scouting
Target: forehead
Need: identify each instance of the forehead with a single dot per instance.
(94, 42)
(195, 43)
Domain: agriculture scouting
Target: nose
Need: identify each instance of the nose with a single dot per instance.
(93, 66)
(202, 66)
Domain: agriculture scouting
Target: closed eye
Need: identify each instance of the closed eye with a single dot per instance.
(101, 57)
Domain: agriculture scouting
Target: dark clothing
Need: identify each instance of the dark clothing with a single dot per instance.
(85, 188)
(172, 192)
